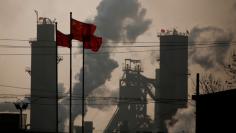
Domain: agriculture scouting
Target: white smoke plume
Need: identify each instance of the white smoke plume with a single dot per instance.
(210, 46)
(183, 121)
(116, 21)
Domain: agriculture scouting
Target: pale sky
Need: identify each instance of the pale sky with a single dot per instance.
(18, 21)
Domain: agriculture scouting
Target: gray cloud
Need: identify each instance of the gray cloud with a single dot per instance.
(100, 102)
(121, 19)
(216, 42)
(183, 121)
(98, 68)
(62, 106)
(63, 113)
(116, 21)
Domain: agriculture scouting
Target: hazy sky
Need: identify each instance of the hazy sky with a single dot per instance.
(18, 21)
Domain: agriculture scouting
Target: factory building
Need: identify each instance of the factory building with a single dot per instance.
(215, 112)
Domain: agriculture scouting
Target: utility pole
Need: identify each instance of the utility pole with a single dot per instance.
(197, 98)
(197, 85)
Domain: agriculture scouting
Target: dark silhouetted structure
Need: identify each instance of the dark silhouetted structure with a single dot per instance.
(215, 112)
(10, 122)
(171, 78)
(169, 90)
(131, 113)
(43, 79)
(88, 127)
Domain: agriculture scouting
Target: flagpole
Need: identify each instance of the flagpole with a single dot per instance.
(70, 119)
(83, 93)
(56, 83)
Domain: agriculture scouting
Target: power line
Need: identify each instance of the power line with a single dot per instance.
(112, 103)
(16, 87)
(111, 99)
(114, 42)
(95, 98)
(120, 52)
(75, 96)
(141, 46)
(24, 88)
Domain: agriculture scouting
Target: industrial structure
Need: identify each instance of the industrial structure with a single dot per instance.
(131, 113)
(43, 78)
(215, 112)
(169, 90)
(172, 77)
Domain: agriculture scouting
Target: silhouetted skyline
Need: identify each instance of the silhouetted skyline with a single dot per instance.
(121, 23)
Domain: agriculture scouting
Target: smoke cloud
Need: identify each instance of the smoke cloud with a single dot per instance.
(116, 21)
(96, 99)
(62, 108)
(210, 46)
(121, 19)
(183, 121)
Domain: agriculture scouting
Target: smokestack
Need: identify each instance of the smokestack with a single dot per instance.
(173, 78)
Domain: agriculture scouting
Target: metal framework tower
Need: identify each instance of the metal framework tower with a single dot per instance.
(131, 114)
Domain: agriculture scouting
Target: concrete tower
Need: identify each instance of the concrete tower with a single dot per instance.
(172, 77)
(43, 78)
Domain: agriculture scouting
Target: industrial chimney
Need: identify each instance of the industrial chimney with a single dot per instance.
(171, 78)
(43, 78)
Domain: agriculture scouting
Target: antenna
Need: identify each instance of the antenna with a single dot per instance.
(37, 15)
(59, 59)
(28, 70)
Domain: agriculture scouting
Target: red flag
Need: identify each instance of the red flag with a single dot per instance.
(80, 31)
(94, 43)
(162, 31)
(62, 39)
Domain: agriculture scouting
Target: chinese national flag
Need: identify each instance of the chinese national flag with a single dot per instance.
(94, 43)
(62, 39)
(80, 30)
